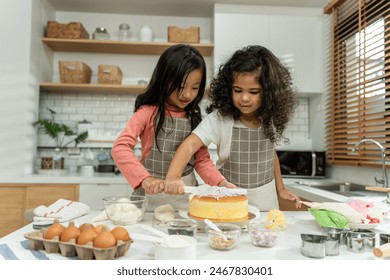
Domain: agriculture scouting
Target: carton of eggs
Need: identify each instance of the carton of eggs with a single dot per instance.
(87, 242)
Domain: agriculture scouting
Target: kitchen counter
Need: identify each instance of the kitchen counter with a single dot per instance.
(68, 178)
(16, 246)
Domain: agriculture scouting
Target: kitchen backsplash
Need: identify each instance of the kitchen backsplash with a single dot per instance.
(108, 115)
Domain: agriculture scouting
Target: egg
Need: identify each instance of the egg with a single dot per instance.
(85, 225)
(86, 236)
(55, 230)
(70, 232)
(99, 228)
(104, 239)
(120, 233)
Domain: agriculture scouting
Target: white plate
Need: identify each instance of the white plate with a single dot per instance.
(252, 210)
(364, 226)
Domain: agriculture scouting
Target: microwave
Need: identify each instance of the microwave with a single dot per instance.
(302, 164)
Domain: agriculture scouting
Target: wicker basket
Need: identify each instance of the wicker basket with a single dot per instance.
(74, 72)
(72, 30)
(183, 35)
(109, 74)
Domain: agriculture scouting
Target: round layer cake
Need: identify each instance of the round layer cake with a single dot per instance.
(218, 204)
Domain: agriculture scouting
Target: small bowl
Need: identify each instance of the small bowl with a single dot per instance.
(125, 209)
(181, 227)
(179, 247)
(264, 234)
(218, 241)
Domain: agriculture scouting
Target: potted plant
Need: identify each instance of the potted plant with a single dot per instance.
(60, 133)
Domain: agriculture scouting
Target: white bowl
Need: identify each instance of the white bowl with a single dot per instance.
(178, 247)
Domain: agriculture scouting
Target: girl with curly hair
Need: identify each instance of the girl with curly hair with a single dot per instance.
(252, 101)
(164, 115)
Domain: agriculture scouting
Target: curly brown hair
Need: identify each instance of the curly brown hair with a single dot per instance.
(280, 99)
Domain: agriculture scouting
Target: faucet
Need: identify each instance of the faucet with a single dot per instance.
(384, 181)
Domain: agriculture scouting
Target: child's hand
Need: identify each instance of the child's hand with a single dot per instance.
(227, 184)
(153, 185)
(174, 186)
(289, 195)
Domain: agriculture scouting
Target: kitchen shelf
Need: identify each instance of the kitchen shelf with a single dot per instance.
(117, 47)
(91, 88)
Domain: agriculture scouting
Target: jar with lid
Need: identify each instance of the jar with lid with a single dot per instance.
(101, 34)
(124, 32)
(145, 34)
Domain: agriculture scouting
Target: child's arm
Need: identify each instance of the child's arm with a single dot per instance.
(140, 125)
(282, 191)
(173, 183)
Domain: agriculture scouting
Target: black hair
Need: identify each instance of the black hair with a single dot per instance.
(280, 99)
(172, 69)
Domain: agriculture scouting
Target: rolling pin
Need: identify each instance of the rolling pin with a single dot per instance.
(377, 189)
(382, 251)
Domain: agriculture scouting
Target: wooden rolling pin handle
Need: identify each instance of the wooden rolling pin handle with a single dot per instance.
(377, 189)
(382, 251)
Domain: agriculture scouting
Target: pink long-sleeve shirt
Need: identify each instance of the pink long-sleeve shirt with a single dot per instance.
(140, 126)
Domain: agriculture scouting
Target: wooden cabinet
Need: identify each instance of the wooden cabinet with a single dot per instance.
(15, 199)
(108, 47)
(286, 205)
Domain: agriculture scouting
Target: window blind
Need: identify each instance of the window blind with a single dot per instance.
(358, 100)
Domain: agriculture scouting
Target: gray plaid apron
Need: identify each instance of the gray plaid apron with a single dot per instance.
(251, 166)
(172, 134)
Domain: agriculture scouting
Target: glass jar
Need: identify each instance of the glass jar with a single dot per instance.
(101, 34)
(124, 32)
(145, 34)
(57, 159)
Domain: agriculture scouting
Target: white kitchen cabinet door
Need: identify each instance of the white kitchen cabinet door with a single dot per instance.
(92, 194)
(233, 31)
(297, 41)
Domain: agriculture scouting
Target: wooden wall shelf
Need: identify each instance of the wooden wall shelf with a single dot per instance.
(117, 47)
(91, 88)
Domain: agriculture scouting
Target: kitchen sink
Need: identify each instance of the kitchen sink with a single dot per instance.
(342, 188)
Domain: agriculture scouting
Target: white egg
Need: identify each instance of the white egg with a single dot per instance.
(128, 207)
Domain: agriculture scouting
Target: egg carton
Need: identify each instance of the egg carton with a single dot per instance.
(71, 249)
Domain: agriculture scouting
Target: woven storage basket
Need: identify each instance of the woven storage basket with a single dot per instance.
(74, 72)
(72, 30)
(183, 35)
(109, 74)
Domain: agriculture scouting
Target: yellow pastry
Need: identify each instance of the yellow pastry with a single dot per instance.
(276, 218)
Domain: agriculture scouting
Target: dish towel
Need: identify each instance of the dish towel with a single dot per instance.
(63, 210)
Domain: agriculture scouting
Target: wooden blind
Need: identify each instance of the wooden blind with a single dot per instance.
(359, 97)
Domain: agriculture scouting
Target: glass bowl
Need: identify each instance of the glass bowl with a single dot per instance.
(125, 209)
(181, 227)
(225, 241)
(264, 234)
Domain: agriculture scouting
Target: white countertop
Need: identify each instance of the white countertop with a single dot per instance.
(68, 178)
(288, 247)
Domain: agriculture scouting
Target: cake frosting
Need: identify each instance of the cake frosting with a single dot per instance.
(218, 203)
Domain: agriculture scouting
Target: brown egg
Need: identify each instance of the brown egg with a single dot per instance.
(99, 228)
(86, 225)
(70, 232)
(56, 229)
(120, 233)
(104, 239)
(86, 236)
